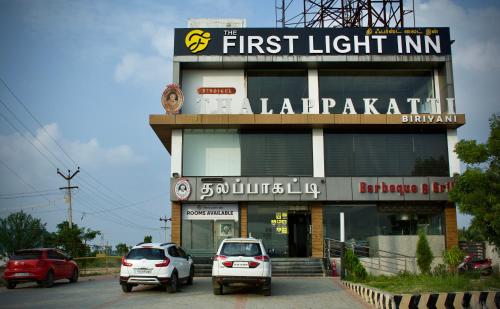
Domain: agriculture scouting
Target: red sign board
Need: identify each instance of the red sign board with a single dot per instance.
(216, 90)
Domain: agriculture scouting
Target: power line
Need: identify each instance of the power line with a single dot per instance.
(104, 195)
(119, 217)
(18, 176)
(27, 193)
(26, 196)
(110, 218)
(36, 119)
(27, 139)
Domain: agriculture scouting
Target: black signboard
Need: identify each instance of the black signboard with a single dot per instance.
(312, 41)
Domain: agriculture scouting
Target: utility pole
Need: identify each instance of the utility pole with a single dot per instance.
(165, 219)
(69, 188)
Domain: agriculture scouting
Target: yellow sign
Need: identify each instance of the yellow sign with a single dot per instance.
(197, 40)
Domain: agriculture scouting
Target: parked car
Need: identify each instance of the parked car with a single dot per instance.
(164, 264)
(41, 265)
(241, 261)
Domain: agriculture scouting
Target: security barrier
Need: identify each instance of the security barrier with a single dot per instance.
(98, 265)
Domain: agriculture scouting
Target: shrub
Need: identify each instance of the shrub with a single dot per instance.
(441, 270)
(360, 271)
(353, 265)
(452, 258)
(424, 254)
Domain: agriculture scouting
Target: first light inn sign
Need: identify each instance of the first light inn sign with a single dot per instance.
(312, 41)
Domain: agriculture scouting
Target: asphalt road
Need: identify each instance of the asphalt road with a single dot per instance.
(104, 292)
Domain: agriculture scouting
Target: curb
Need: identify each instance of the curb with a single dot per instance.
(383, 300)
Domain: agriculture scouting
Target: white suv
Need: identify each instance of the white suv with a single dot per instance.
(241, 261)
(156, 264)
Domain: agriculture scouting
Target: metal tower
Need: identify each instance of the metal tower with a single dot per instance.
(342, 13)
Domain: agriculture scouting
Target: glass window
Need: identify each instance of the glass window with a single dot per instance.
(240, 249)
(173, 251)
(146, 254)
(275, 86)
(276, 153)
(409, 223)
(206, 153)
(27, 255)
(380, 84)
(386, 154)
(363, 221)
(202, 237)
(360, 222)
(260, 225)
(54, 255)
(182, 253)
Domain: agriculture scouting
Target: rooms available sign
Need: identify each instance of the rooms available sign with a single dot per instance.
(312, 42)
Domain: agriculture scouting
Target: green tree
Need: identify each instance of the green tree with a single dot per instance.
(477, 190)
(21, 231)
(452, 258)
(73, 240)
(122, 249)
(424, 254)
(470, 234)
(148, 238)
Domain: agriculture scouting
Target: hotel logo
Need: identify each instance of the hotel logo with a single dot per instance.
(197, 40)
(172, 99)
(182, 189)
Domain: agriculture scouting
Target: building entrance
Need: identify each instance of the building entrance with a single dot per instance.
(299, 236)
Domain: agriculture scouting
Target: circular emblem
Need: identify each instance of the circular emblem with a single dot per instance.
(197, 40)
(182, 189)
(172, 99)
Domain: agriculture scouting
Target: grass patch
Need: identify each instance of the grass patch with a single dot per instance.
(411, 283)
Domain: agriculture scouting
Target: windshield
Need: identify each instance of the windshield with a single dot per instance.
(27, 255)
(241, 249)
(146, 253)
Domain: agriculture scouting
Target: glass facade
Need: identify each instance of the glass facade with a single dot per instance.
(202, 237)
(205, 153)
(276, 153)
(247, 153)
(386, 154)
(363, 221)
(275, 86)
(380, 84)
(260, 225)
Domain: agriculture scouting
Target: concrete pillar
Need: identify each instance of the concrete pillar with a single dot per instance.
(450, 223)
(176, 222)
(244, 219)
(317, 230)
(176, 154)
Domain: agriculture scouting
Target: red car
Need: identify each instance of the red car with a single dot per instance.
(41, 265)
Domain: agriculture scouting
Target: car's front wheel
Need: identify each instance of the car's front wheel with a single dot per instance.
(172, 285)
(217, 287)
(48, 282)
(127, 288)
(266, 289)
(11, 285)
(74, 276)
(191, 276)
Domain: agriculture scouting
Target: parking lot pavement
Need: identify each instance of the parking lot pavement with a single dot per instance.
(104, 292)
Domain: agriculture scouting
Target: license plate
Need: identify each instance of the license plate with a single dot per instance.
(22, 274)
(240, 264)
(142, 271)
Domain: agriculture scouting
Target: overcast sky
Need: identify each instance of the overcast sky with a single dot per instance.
(92, 71)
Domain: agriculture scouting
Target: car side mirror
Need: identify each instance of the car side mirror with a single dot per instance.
(188, 257)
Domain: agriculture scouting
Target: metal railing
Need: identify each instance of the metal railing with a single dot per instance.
(98, 265)
(380, 260)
